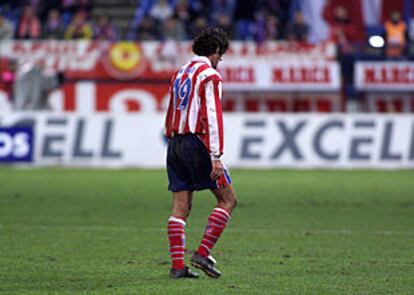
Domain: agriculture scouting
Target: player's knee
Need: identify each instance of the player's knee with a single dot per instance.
(233, 202)
(181, 210)
(229, 203)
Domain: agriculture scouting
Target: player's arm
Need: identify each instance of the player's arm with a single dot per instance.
(215, 125)
(169, 116)
(170, 110)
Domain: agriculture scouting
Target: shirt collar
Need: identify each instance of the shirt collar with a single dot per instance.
(199, 58)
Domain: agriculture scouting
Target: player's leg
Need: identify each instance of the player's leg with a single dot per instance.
(176, 234)
(226, 198)
(180, 170)
(217, 221)
(182, 203)
(176, 228)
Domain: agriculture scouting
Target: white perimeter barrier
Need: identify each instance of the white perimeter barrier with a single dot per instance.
(251, 140)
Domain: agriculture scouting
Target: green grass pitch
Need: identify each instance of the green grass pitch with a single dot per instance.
(69, 231)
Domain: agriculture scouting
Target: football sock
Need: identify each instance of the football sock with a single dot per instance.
(176, 237)
(216, 223)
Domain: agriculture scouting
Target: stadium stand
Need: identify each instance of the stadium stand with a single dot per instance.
(349, 24)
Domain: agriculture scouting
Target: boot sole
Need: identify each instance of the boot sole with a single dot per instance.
(206, 271)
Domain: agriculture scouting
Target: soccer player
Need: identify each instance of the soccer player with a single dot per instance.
(194, 126)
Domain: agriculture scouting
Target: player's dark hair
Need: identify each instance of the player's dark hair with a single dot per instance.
(210, 40)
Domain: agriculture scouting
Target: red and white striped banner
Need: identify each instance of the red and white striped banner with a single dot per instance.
(270, 66)
(384, 76)
(276, 75)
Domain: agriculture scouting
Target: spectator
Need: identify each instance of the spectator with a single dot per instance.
(32, 86)
(11, 10)
(147, 30)
(6, 29)
(29, 25)
(342, 30)
(312, 12)
(222, 7)
(53, 28)
(244, 13)
(68, 9)
(200, 8)
(79, 28)
(298, 30)
(8, 77)
(271, 27)
(198, 24)
(265, 27)
(184, 13)
(395, 33)
(278, 8)
(173, 29)
(225, 22)
(161, 11)
(72, 7)
(260, 26)
(104, 29)
(44, 8)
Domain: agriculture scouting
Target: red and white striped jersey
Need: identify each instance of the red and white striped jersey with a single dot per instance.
(195, 104)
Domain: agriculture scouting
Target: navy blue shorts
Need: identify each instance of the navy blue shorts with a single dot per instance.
(189, 165)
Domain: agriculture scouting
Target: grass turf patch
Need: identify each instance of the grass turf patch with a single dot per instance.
(66, 231)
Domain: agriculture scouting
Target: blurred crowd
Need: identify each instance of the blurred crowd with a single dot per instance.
(153, 20)
(362, 29)
(342, 21)
(243, 19)
(52, 19)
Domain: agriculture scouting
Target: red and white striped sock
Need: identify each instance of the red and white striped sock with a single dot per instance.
(216, 223)
(176, 237)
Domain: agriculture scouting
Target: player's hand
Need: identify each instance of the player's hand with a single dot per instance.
(217, 169)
